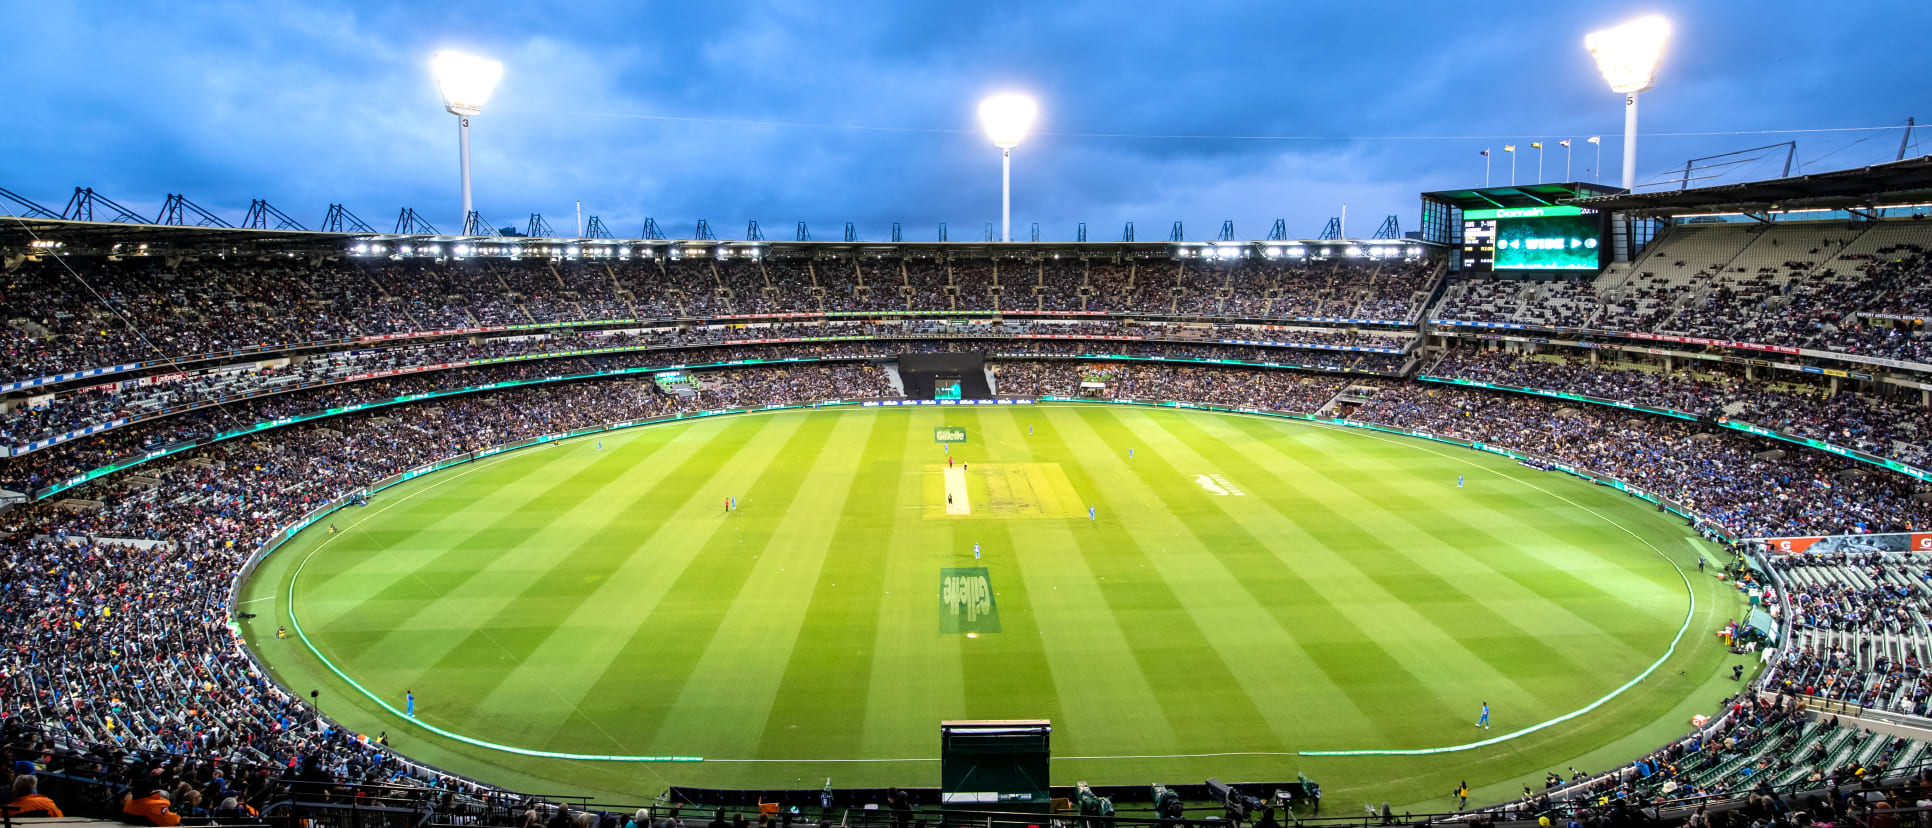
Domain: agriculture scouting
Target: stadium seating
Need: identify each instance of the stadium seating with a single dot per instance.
(1817, 285)
(152, 312)
(1796, 404)
(276, 341)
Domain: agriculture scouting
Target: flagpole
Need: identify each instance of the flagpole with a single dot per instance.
(1512, 169)
(1566, 161)
(1539, 162)
(1599, 144)
(1485, 168)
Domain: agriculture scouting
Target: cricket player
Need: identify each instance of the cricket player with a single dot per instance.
(1484, 721)
(976, 550)
(409, 702)
(1459, 481)
(1090, 513)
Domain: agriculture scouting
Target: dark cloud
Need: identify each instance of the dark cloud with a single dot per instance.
(863, 112)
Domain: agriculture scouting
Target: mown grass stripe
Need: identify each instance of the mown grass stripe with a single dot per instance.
(1522, 663)
(841, 623)
(1508, 556)
(506, 629)
(647, 544)
(386, 624)
(1201, 697)
(1327, 620)
(1092, 656)
(739, 676)
(641, 685)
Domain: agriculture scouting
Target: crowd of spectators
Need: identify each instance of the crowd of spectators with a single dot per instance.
(1235, 387)
(1794, 404)
(1764, 762)
(114, 616)
(1863, 303)
(150, 398)
(1751, 486)
(1858, 628)
(147, 310)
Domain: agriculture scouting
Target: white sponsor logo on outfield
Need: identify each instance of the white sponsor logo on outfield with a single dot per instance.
(1216, 484)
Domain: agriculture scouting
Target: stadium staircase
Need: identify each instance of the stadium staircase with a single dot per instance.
(892, 378)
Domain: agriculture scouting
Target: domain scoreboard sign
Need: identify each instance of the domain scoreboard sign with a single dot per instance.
(948, 434)
(966, 602)
(1550, 237)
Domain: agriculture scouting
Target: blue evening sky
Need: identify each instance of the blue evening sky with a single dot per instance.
(831, 112)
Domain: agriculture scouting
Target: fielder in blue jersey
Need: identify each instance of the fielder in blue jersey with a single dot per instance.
(1484, 721)
(1459, 481)
(409, 702)
(976, 551)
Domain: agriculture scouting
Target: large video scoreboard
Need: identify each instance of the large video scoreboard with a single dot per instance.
(1551, 237)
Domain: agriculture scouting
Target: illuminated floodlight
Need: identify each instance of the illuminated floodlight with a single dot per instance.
(571, 251)
(1006, 118)
(1628, 56)
(465, 82)
(1354, 251)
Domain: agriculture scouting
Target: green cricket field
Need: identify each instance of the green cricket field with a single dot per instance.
(1246, 590)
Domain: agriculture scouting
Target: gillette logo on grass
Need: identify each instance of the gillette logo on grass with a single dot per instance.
(966, 602)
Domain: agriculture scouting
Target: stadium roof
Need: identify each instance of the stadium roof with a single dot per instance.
(103, 237)
(1896, 184)
(1526, 195)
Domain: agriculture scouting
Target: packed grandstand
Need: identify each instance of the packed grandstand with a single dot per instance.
(171, 411)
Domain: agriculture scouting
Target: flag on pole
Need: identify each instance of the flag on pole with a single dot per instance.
(1536, 145)
(1565, 143)
(1595, 139)
(1485, 153)
(1509, 148)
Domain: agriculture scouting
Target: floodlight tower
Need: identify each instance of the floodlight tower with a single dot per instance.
(1628, 56)
(1006, 118)
(466, 82)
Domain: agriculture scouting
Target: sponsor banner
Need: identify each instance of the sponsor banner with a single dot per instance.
(1850, 544)
(948, 434)
(1791, 546)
